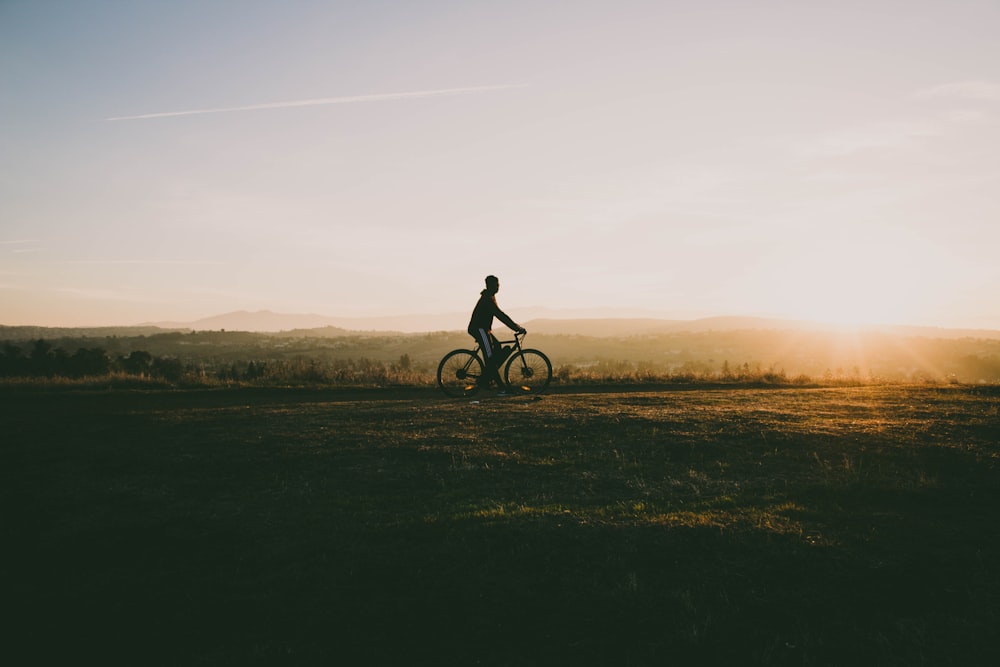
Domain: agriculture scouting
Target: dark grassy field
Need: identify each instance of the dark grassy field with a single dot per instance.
(739, 526)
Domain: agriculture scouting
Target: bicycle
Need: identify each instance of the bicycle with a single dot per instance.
(526, 371)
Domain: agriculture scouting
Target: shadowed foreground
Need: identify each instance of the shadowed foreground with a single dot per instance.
(773, 527)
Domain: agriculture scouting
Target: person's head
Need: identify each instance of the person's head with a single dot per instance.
(492, 284)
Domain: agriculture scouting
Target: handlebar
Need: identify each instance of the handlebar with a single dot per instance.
(518, 335)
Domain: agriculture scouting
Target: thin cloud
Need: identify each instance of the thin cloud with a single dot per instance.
(167, 262)
(21, 246)
(97, 294)
(383, 97)
(890, 134)
(971, 90)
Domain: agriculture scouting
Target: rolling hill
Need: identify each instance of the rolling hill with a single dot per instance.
(551, 322)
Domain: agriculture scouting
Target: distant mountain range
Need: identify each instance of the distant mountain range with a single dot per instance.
(537, 320)
(540, 321)
(271, 322)
(652, 326)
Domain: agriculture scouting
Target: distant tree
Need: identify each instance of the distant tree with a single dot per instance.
(138, 362)
(60, 364)
(13, 362)
(89, 362)
(167, 368)
(41, 358)
(255, 370)
(405, 362)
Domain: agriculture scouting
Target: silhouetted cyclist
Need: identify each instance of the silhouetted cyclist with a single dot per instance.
(481, 328)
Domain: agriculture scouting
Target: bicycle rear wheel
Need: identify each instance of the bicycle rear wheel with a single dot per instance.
(528, 371)
(459, 372)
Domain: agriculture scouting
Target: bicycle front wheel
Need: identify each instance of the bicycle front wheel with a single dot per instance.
(459, 373)
(528, 371)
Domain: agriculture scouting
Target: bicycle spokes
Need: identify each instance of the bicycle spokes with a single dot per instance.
(459, 373)
(529, 371)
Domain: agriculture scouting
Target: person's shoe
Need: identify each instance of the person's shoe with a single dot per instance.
(502, 393)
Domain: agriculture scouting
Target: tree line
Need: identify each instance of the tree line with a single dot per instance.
(205, 363)
(40, 359)
(43, 360)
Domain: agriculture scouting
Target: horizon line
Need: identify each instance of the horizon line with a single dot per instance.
(346, 320)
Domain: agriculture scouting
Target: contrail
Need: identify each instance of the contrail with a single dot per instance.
(326, 100)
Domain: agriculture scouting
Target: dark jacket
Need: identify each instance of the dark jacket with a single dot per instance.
(486, 309)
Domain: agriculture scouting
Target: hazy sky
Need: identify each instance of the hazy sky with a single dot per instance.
(174, 160)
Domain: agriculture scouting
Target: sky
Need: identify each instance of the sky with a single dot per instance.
(168, 161)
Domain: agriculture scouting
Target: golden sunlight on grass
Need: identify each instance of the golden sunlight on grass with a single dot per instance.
(772, 519)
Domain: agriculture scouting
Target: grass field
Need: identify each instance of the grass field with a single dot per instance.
(837, 526)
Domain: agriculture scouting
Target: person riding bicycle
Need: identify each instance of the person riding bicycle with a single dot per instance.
(481, 328)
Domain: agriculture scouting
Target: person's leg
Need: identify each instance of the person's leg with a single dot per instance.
(496, 361)
(488, 344)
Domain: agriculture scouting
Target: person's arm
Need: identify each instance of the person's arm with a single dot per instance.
(506, 319)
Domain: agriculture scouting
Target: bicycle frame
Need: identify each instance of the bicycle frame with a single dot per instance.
(517, 348)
